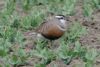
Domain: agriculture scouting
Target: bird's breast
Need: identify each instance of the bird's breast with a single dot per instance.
(53, 33)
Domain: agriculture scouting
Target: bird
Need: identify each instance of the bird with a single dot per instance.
(53, 27)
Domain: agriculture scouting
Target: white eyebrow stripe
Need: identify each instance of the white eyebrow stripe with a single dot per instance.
(58, 16)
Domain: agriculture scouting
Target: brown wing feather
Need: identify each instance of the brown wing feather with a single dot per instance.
(40, 27)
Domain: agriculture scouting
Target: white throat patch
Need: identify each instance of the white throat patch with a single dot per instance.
(63, 21)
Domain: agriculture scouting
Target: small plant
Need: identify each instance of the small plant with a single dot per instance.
(10, 6)
(44, 53)
(75, 32)
(90, 57)
(96, 3)
(64, 7)
(33, 19)
(65, 54)
(69, 7)
(88, 10)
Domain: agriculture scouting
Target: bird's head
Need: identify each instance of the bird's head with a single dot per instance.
(62, 17)
(63, 21)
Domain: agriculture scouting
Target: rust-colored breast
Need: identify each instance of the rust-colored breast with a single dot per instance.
(53, 33)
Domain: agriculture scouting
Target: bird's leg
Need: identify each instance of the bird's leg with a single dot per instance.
(50, 44)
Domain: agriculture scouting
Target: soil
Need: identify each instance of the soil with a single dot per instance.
(91, 39)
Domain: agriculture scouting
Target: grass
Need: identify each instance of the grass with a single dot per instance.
(12, 26)
(89, 6)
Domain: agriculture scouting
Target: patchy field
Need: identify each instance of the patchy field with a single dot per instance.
(79, 47)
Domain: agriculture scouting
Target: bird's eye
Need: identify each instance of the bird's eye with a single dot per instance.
(61, 18)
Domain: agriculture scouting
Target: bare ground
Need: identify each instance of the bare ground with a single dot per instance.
(91, 39)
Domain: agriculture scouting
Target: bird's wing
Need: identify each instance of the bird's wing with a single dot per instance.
(40, 27)
(46, 26)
